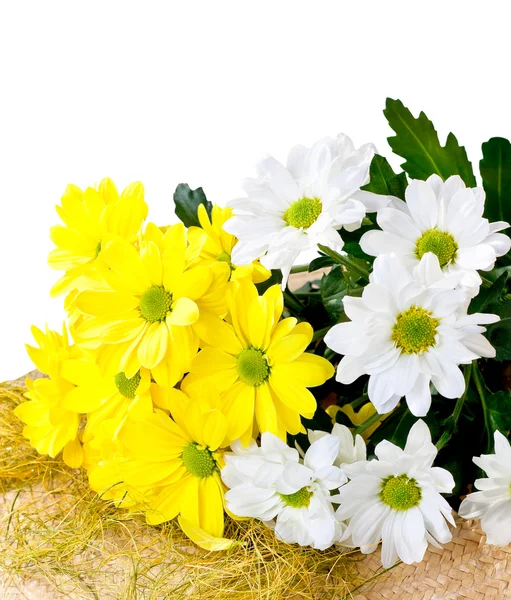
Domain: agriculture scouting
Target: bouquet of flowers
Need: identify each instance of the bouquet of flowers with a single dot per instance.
(194, 379)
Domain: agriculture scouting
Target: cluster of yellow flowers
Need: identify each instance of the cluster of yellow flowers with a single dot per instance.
(168, 356)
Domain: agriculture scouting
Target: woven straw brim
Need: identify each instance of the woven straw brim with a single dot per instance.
(465, 568)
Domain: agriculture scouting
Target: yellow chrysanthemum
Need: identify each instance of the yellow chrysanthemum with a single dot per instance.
(216, 245)
(50, 425)
(106, 397)
(91, 218)
(174, 463)
(155, 309)
(259, 366)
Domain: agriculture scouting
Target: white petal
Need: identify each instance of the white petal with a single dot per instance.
(322, 453)
(418, 398)
(496, 523)
(452, 383)
(350, 368)
(294, 478)
(422, 203)
(476, 257)
(399, 222)
(279, 178)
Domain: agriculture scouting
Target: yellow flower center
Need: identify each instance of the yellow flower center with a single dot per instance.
(401, 492)
(303, 213)
(253, 368)
(155, 304)
(198, 460)
(299, 499)
(414, 330)
(127, 387)
(440, 243)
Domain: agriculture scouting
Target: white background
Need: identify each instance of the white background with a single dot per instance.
(169, 92)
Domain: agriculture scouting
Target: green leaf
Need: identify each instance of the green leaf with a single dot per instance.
(499, 333)
(416, 140)
(333, 289)
(383, 180)
(320, 263)
(187, 202)
(487, 298)
(495, 168)
(499, 409)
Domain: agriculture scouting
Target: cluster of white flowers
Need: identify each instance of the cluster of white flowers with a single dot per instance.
(409, 330)
(395, 498)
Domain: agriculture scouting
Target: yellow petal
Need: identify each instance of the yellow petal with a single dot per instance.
(184, 312)
(151, 259)
(167, 504)
(125, 261)
(153, 345)
(211, 507)
(293, 395)
(73, 454)
(214, 430)
(205, 540)
(99, 303)
(308, 370)
(193, 283)
(257, 320)
(190, 504)
(216, 332)
(292, 346)
(173, 258)
(238, 408)
(265, 412)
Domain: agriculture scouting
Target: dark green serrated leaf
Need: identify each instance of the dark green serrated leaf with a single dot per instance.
(383, 180)
(495, 167)
(333, 289)
(499, 410)
(416, 140)
(187, 202)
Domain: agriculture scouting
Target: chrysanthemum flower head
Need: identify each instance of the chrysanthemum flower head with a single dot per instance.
(51, 425)
(270, 483)
(179, 458)
(290, 209)
(445, 218)
(396, 499)
(91, 218)
(407, 330)
(259, 366)
(154, 308)
(492, 504)
(215, 244)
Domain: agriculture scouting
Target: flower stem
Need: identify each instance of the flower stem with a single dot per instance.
(366, 424)
(447, 434)
(345, 261)
(478, 381)
(359, 401)
(320, 333)
(300, 269)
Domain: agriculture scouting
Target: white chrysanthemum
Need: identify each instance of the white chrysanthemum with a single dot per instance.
(291, 209)
(493, 503)
(350, 450)
(396, 499)
(443, 218)
(409, 329)
(270, 483)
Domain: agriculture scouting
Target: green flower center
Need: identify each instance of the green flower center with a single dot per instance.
(98, 248)
(224, 257)
(300, 499)
(253, 368)
(303, 213)
(414, 330)
(155, 304)
(198, 460)
(127, 387)
(401, 492)
(440, 243)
